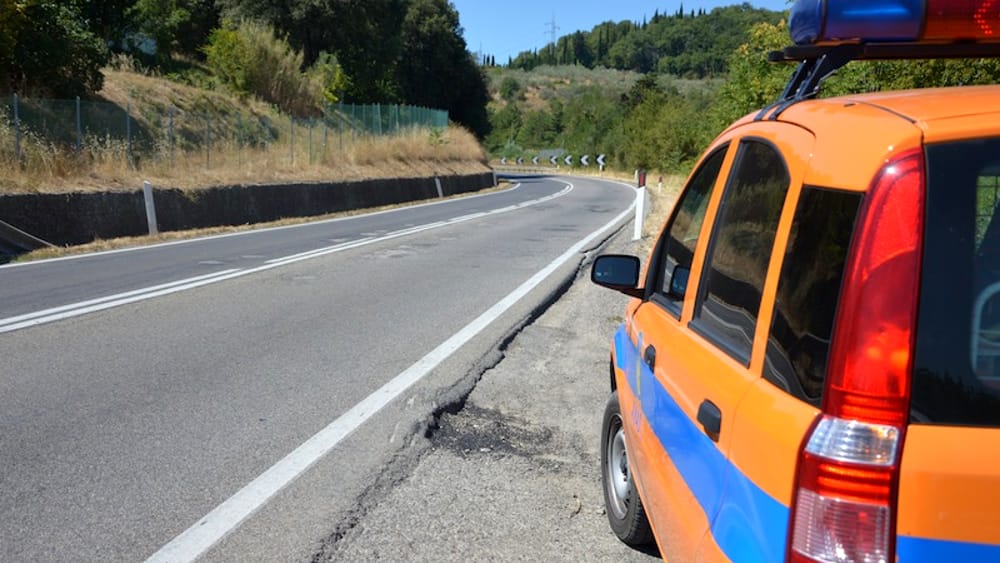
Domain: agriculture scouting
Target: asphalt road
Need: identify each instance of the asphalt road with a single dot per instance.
(241, 397)
(515, 474)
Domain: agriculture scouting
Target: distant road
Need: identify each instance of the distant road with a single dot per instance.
(141, 391)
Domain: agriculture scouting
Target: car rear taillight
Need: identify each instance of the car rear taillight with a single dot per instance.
(845, 493)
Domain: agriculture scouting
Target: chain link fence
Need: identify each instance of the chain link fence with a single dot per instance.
(141, 132)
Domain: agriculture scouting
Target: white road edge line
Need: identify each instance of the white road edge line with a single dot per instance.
(91, 306)
(210, 529)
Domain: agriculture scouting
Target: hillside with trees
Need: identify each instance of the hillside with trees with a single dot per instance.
(684, 44)
(660, 120)
(355, 51)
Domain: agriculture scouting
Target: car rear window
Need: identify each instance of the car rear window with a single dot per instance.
(957, 358)
(808, 290)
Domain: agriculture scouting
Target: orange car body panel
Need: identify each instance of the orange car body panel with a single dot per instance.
(950, 477)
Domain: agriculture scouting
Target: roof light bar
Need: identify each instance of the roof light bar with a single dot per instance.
(816, 22)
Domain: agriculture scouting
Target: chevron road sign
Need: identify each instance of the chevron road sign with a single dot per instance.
(600, 160)
(534, 160)
(568, 160)
(552, 159)
(585, 160)
(503, 161)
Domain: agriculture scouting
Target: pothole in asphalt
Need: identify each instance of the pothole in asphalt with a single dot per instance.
(477, 431)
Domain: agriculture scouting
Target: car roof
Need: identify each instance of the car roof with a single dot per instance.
(932, 104)
(856, 134)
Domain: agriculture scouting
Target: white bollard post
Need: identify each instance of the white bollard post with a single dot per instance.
(437, 182)
(147, 195)
(640, 203)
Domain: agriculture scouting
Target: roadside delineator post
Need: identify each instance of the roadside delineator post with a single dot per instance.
(147, 195)
(437, 182)
(640, 202)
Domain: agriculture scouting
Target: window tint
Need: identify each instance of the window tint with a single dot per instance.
(808, 290)
(957, 359)
(741, 248)
(681, 237)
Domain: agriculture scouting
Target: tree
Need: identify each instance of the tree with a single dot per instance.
(365, 36)
(51, 51)
(581, 52)
(438, 70)
(11, 21)
(110, 20)
(753, 82)
(171, 24)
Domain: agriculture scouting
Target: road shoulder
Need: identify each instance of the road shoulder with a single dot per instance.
(515, 474)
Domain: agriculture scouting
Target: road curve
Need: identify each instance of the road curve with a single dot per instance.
(124, 425)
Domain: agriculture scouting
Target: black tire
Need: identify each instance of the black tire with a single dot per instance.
(621, 499)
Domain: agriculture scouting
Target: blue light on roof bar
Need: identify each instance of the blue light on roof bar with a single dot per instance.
(820, 21)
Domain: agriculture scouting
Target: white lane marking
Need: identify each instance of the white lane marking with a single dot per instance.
(244, 233)
(100, 304)
(74, 309)
(327, 249)
(210, 529)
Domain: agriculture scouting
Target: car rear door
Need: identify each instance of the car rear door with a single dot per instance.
(767, 299)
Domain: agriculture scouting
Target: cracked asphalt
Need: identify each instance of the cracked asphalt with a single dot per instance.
(510, 472)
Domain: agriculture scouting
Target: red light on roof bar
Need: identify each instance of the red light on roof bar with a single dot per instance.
(948, 20)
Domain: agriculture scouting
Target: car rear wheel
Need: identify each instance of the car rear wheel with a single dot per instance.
(621, 499)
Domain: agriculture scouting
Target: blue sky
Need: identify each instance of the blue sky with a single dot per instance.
(505, 28)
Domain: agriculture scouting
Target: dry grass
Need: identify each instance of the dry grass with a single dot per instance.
(315, 154)
(49, 169)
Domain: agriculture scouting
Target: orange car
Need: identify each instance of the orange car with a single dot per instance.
(810, 367)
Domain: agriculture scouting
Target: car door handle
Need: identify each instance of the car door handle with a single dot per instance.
(649, 356)
(710, 418)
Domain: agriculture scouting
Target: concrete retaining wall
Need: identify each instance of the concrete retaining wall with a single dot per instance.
(78, 218)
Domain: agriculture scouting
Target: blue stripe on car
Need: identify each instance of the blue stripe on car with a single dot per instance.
(749, 525)
(921, 549)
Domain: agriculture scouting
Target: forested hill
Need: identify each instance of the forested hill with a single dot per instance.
(691, 45)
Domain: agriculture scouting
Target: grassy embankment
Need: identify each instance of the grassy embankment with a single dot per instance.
(103, 164)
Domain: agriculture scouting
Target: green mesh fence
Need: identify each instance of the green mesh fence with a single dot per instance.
(143, 131)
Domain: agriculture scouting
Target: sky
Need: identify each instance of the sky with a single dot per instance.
(505, 28)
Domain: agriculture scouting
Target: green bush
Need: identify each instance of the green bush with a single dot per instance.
(251, 59)
(510, 89)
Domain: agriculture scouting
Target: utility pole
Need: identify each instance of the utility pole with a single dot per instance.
(553, 28)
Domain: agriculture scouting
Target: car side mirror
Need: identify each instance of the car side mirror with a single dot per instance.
(618, 272)
(679, 282)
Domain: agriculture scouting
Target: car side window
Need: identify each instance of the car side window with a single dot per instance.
(740, 249)
(681, 237)
(808, 291)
